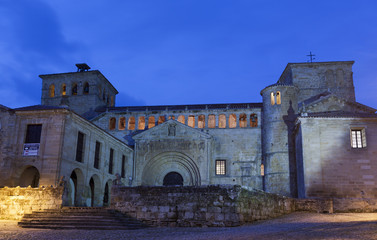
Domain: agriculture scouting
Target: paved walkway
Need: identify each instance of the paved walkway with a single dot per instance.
(293, 226)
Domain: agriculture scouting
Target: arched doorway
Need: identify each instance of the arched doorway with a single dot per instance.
(91, 185)
(29, 177)
(173, 179)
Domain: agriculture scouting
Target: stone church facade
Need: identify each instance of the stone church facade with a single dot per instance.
(308, 138)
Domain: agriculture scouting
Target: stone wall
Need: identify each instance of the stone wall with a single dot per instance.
(15, 202)
(214, 205)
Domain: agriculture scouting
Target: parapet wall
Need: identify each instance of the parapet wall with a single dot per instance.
(15, 202)
(213, 206)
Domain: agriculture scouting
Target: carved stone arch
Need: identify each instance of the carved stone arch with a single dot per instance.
(159, 166)
(75, 188)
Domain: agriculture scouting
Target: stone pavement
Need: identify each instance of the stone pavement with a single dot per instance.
(293, 226)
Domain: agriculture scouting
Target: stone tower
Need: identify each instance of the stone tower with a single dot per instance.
(279, 104)
(82, 91)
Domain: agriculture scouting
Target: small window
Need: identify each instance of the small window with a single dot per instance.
(358, 138)
(181, 119)
(172, 117)
(253, 120)
(141, 123)
(220, 167)
(97, 155)
(161, 119)
(191, 121)
(112, 123)
(33, 133)
(74, 89)
(151, 122)
(232, 121)
(272, 98)
(222, 121)
(111, 161)
(86, 88)
(52, 90)
(211, 121)
(112, 101)
(80, 147)
(64, 89)
(123, 171)
(242, 120)
(122, 123)
(262, 169)
(278, 97)
(131, 123)
(201, 121)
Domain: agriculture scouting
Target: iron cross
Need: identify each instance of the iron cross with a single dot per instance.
(311, 57)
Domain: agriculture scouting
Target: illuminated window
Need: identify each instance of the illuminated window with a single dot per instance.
(243, 120)
(161, 119)
(141, 123)
(74, 89)
(191, 121)
(112, 123)
(52, 90)
(262, 169)
(64, 89)
(181, 119)
(272, 98)
(211, 121)
(86, 88)
(253, 120)
(201, 121)
(122, 123)
(151, 122)
(112, 101)
(131, 123)
(220, 167)
(278, 97)
(222, 121)
(80, 147)
(232, 121)
(172, 117)
(358, 138)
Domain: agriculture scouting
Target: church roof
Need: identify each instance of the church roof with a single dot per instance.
(338, 114)
(38, 107)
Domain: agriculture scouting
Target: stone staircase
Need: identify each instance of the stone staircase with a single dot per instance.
(89, 218)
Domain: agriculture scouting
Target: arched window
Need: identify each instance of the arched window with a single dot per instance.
(253, 120)
(86, 88)
(262, 169)
(141, 123)
(222, 121)
(181, 119)
(272, 98)
(191, 121)
(211, 121)
(151, 122)
(201, 121)
(161, 119)
(131, 123)
(278, 97)
(232, 120)
(64, 89)
(74, 89)
(242, 120)
(52, 90)
(172, 117)
(112, 123)
(122, 123)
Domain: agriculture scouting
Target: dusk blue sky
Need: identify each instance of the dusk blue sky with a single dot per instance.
(159, 52)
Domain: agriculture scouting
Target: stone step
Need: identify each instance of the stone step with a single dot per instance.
(80, 218)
